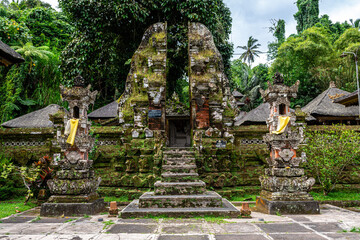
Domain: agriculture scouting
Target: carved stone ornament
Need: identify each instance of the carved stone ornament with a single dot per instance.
(73, 157)
(286, 154)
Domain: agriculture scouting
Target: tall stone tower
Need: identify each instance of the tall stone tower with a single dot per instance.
(284, 187)
(74, 185)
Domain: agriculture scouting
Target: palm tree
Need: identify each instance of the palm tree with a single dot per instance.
(250, 50)
(356, 23)
(30, 52)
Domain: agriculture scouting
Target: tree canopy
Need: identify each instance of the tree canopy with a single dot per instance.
(108, 33)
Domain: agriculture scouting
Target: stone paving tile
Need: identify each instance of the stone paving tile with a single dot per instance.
(132, 228)
(182, 221)
(344, 236)
(146, 221)
(298, 218)
(82, 228)
(16, 219)
(240, 237)
(187, 237)
(194, 228)
(71, 237)
(124, 236)
(282, 228)
(325, 227)
(227, 228)
(10, 228)
(311, 236)
(51, 220)
(40, 229)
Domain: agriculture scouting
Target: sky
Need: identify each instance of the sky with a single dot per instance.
(252, 18)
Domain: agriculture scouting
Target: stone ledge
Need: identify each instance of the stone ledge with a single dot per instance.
(133, 210)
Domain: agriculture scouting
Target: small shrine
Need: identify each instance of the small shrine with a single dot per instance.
(284, 186)
(73, 189)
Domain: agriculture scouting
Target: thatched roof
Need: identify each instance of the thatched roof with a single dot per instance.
(8, 55)
(256, 116)
(107, 111)
(324, 105)
(348, 100)
(36, 119)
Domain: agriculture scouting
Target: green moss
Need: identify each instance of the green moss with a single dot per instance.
(204, 54)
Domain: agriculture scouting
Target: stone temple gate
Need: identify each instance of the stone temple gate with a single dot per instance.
(142, 107)
(178, 132)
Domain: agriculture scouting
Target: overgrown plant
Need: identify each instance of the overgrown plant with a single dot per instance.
(329, 152)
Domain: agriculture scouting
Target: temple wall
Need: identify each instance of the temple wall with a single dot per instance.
(129, 165)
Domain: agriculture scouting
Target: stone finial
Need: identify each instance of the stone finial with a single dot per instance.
(332, 84)
(278, 78)
(79, 81)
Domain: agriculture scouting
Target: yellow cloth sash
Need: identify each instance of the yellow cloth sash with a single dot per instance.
(73, 128)
(283, 122)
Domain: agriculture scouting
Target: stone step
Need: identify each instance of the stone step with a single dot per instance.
(179, 188)
(227, 210)
(179, 161)
(178, 155)
(180, 177)
(168, 169)
(208, 199)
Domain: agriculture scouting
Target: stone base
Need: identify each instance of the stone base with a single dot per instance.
(72, 209)
(227, 210)
(287, 207)
(88, 198)
(205, 200)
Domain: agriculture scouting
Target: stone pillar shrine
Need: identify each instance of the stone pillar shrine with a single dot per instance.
(73, 187)
(284, 186)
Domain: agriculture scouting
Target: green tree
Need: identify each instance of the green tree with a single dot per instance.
(278, 31)
(251, 50)
(30, 52)
(307, 15)
(248, 81)
(329, 152)
(35, 83)
(108, 33)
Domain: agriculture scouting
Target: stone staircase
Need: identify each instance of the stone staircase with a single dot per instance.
(180, 192)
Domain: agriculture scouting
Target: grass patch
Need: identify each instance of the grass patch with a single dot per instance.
(336, 196)
(107, 224)
(9, 207)
(245, 197)
(116, 199)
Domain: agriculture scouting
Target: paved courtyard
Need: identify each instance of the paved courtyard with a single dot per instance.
(332, 223)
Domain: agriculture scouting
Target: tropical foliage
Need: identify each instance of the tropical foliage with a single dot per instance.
(39, 34)
(329, 152)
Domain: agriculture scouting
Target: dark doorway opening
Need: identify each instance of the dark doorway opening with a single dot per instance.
(179, 132)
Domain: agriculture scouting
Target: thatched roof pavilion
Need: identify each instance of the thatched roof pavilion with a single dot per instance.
(106, 112)
(326, 110)
(36, 119)
(256, 116)
(9, 56)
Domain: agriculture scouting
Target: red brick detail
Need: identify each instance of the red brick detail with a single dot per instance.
(154, 123)
(203, 115)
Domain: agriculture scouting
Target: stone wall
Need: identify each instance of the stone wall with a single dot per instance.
(130, 165)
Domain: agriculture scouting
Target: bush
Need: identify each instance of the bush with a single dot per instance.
(329, 152)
